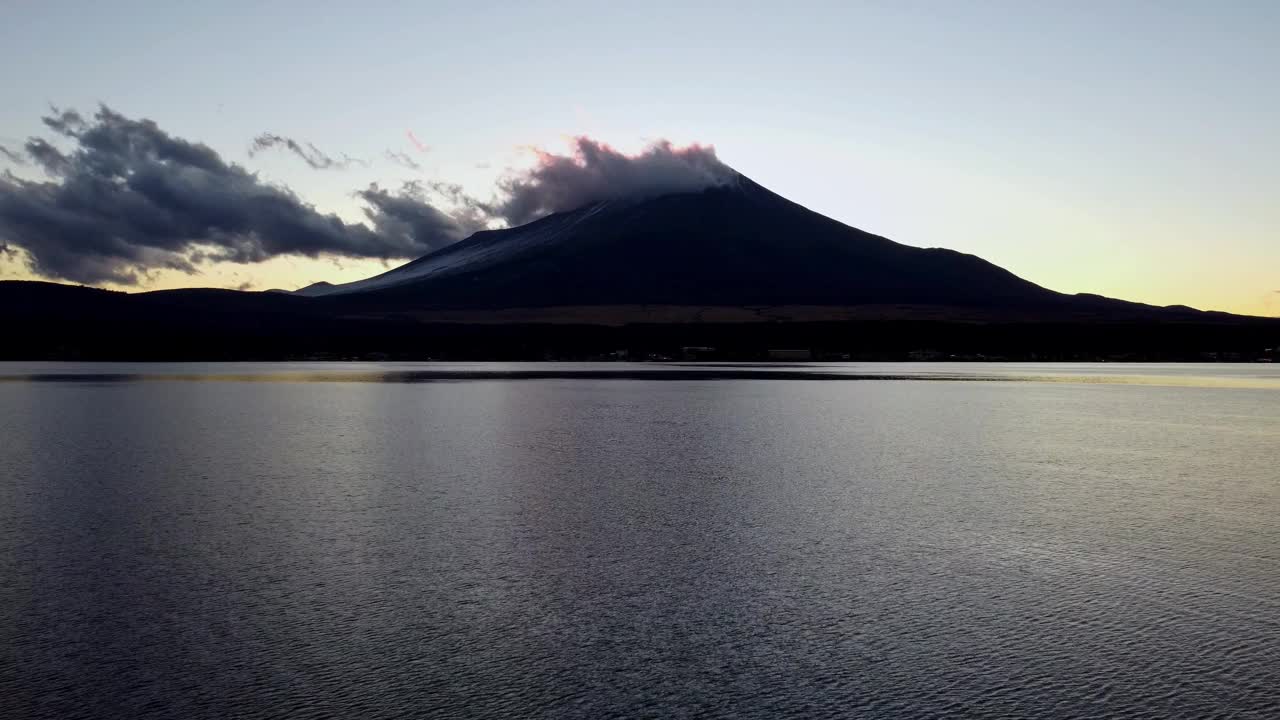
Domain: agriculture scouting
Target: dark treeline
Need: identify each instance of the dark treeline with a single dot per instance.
(48, 322)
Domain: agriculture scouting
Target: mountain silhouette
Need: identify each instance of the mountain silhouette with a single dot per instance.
(733, 245)
(733, 267)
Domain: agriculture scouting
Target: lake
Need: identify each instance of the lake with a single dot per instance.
(611, 540)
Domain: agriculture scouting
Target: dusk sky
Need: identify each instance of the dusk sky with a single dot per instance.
(1128, 149)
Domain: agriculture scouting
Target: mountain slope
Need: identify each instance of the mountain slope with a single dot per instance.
(724, 246)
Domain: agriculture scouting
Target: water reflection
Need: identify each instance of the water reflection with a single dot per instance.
(1226, 376)
(573, 546)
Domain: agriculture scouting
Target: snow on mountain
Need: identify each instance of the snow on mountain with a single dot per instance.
(482, 249)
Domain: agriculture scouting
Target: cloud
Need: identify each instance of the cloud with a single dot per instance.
(407, 215)
(64, 122)
(309, 153)
(595, 172)
(129, 199)
(120, 198)
(467, 210)
(48, 157)
(11, 156)
(416, 142)
(591, 173)
(403, 160)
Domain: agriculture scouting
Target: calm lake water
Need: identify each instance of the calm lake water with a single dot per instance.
(397, 540)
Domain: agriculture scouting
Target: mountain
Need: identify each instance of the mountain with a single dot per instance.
(316, 289)
(733, 267)
(728, 246)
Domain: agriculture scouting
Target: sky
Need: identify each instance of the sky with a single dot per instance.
(1123, 148)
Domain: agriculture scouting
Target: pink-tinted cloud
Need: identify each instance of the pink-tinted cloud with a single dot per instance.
(416, 142)
(594, 171)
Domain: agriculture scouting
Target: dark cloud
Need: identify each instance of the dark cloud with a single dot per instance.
(407, 216)
(11, 156)
(403, 160)
(596, 172)
(64, 122)
(467, 210)
(129, 199)
(48, 157)
(309, 153)
(121, 198)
